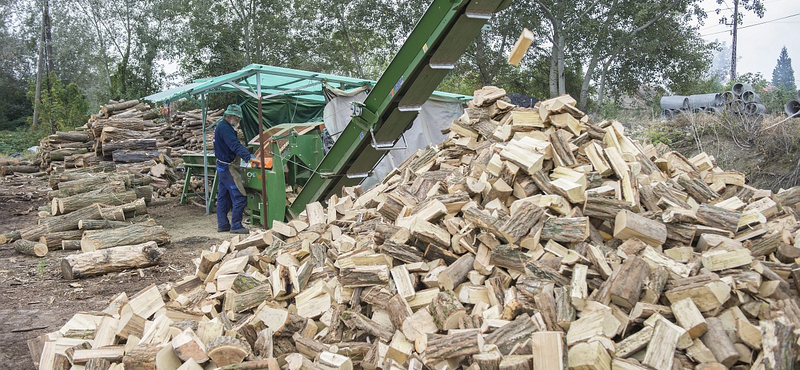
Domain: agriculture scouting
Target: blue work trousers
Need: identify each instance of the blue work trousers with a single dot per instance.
(228, 195)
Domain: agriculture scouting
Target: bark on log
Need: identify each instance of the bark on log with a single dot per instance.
(105, 186)
(129, 145)
(30, 248)
(53, 240)
(61, 223)
(109, 109)
(110, 260)
(10, 237)
(101, 239)
(78, 201)
(134, 156)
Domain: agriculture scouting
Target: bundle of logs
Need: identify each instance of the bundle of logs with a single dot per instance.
(100, 212)
(532, 239)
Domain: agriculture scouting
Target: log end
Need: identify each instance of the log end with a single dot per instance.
(66, 270)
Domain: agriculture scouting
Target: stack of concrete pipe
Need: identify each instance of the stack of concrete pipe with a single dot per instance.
(741, 100)
(792, 107)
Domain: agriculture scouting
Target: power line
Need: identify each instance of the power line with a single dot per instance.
(754, 24)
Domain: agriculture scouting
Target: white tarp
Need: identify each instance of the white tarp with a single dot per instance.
(435, 116)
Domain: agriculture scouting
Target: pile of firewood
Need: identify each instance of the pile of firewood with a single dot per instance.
(94, 210)
(184, 132)
(532, 239)
(128, 134)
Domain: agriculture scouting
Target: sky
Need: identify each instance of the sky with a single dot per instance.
(759, 45)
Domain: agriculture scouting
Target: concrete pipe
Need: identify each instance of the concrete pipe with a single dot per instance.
(740, 87)
(728, 97)
(798, 95)
(751, 97)
(674, 102)
(754, 108)
(738, 105)
(705, 100)
(792, 107)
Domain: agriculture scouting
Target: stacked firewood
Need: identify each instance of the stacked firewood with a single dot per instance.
(532, 239)
(128, 134)
(92, 209)
(184, 132)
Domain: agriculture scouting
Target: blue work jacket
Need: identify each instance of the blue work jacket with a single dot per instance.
(227, 145)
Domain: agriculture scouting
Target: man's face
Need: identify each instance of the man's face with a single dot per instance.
(234, 120)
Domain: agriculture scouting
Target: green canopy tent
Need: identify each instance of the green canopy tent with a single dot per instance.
(280, 95)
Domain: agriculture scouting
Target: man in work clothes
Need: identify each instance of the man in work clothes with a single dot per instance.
(226, 148)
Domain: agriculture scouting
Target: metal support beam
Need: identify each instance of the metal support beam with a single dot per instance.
(205, 154)
(263, 149)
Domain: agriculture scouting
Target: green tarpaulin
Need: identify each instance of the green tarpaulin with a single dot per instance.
(278, 111)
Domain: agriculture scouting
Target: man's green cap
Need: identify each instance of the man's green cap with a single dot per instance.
(233, 110)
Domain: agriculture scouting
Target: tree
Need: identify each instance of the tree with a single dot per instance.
(783, 74)
(64, 107)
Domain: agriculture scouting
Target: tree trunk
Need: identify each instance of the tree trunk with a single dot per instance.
(102, 239)
(553, 77)
(583, 100)
(110, 260)
(39, 71)
(562, 78)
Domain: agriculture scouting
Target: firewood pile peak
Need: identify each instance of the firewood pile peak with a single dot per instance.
(532, 239)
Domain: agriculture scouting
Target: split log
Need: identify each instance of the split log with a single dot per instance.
(110, 260)
(628, 224)
(575, 229)
(456, 343)
(717, 340)
(134, 234)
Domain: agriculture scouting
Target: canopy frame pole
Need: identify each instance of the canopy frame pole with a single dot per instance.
(205, 153)
(286, 91)
(263, 163)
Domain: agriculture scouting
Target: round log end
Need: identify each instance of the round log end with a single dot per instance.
(66, 269)
(40, 249)
(54, 206)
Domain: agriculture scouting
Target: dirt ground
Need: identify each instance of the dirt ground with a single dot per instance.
(35, 299)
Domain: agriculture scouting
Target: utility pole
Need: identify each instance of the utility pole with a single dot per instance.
(733, 44)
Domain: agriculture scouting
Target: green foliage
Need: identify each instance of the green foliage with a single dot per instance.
(61, 107)
(783, 74)
(14, 105)
(16, 141)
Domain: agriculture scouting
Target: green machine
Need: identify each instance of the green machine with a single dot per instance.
(293, 151)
